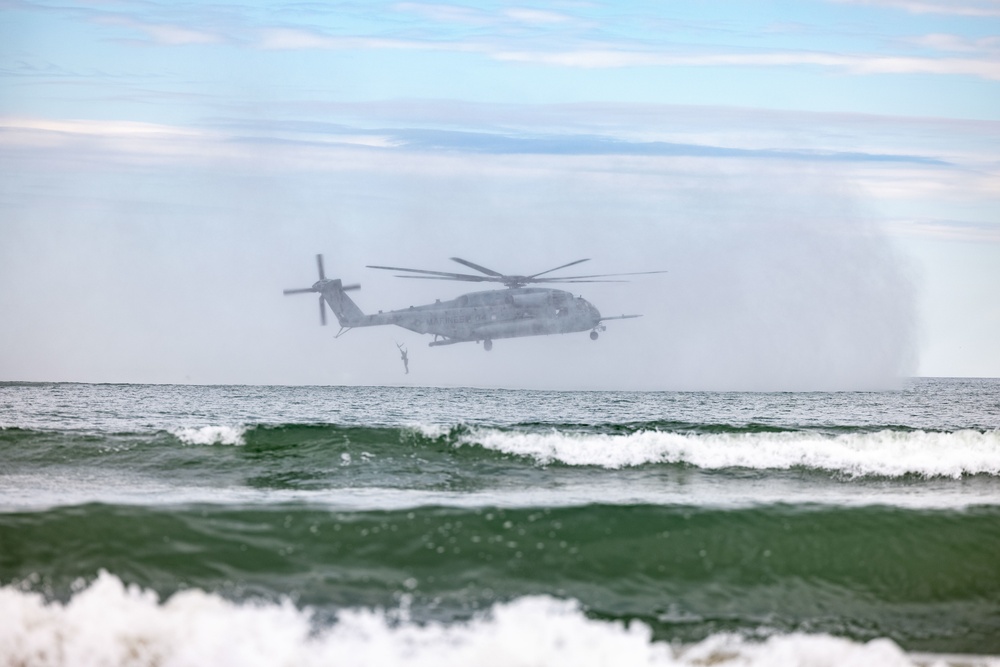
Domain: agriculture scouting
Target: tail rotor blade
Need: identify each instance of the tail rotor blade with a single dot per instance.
(298, 291)
(322, 309)
(348, 288)
(319, 265)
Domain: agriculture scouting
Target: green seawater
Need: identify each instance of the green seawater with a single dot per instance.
(861, 516)
(927, 579)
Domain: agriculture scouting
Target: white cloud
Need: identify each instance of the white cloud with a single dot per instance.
(445, 13)
(946, 230)
(536, 16)
(130, 142)
(611, 58)
(981, 61)
(954, 7)
(295, 39)
(116, 128)
(959, 44)
(452, 14)
(617, 57)
(164, 33)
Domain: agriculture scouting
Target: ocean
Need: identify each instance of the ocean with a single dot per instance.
(261, 525)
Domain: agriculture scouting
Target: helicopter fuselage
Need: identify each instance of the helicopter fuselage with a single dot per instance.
(513, 312)
(492, 314)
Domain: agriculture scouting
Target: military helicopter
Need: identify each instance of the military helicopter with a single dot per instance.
(477, 317)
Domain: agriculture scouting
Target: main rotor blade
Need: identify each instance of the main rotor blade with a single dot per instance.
(319, 265)
(468, 279)
(556, 281)
(302, 290)
(481, 269)
(598, 275)
(444, 275)
(557, 268)
(322, 310)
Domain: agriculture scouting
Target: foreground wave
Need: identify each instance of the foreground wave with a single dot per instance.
(926, 579)
(110, 624)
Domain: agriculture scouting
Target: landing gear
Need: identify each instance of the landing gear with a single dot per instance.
(487, 345)
(593, 335)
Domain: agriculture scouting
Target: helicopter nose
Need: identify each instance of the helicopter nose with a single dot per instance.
(592, 312)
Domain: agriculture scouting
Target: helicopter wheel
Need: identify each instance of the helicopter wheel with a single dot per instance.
(593, 335)
(487, 345)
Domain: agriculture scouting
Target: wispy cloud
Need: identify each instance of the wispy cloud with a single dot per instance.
(163, 33)
(290, 39)
(72, 142)
(152, 139)
(857, 64)
(453, 14)
(613, 57)
(536, 16)
(440, 13)
(958, 44)
(583, 144)
(947, 230)
(953, 7)
(96, 127)
(540, 37)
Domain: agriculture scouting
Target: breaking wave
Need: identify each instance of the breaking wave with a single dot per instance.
(210, 435)
(846, 451)
(110, 624)
(888, 453)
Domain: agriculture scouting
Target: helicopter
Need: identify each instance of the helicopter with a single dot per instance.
(513, 312)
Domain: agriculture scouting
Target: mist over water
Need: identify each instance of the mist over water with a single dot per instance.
(788, 287)
(779, 279)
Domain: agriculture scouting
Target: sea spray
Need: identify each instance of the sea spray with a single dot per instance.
(111, 624)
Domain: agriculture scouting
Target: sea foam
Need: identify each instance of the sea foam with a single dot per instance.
(209, 435)
(886, 453)
(109, 624)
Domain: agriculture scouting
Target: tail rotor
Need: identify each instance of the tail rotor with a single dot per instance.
(320, 287)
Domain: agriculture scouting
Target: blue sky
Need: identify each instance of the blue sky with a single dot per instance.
(205, 141)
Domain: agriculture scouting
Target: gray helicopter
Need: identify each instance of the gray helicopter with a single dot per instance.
(477, 317)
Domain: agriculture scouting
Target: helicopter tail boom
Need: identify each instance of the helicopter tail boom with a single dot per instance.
(347, 312)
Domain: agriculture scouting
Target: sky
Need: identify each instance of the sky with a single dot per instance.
(819, 178)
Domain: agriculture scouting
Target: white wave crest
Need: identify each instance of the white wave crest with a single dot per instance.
(210, 435)
(431, 431)
(883, 453)
(110, 624)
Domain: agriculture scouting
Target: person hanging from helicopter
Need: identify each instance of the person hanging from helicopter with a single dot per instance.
(406, 361)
